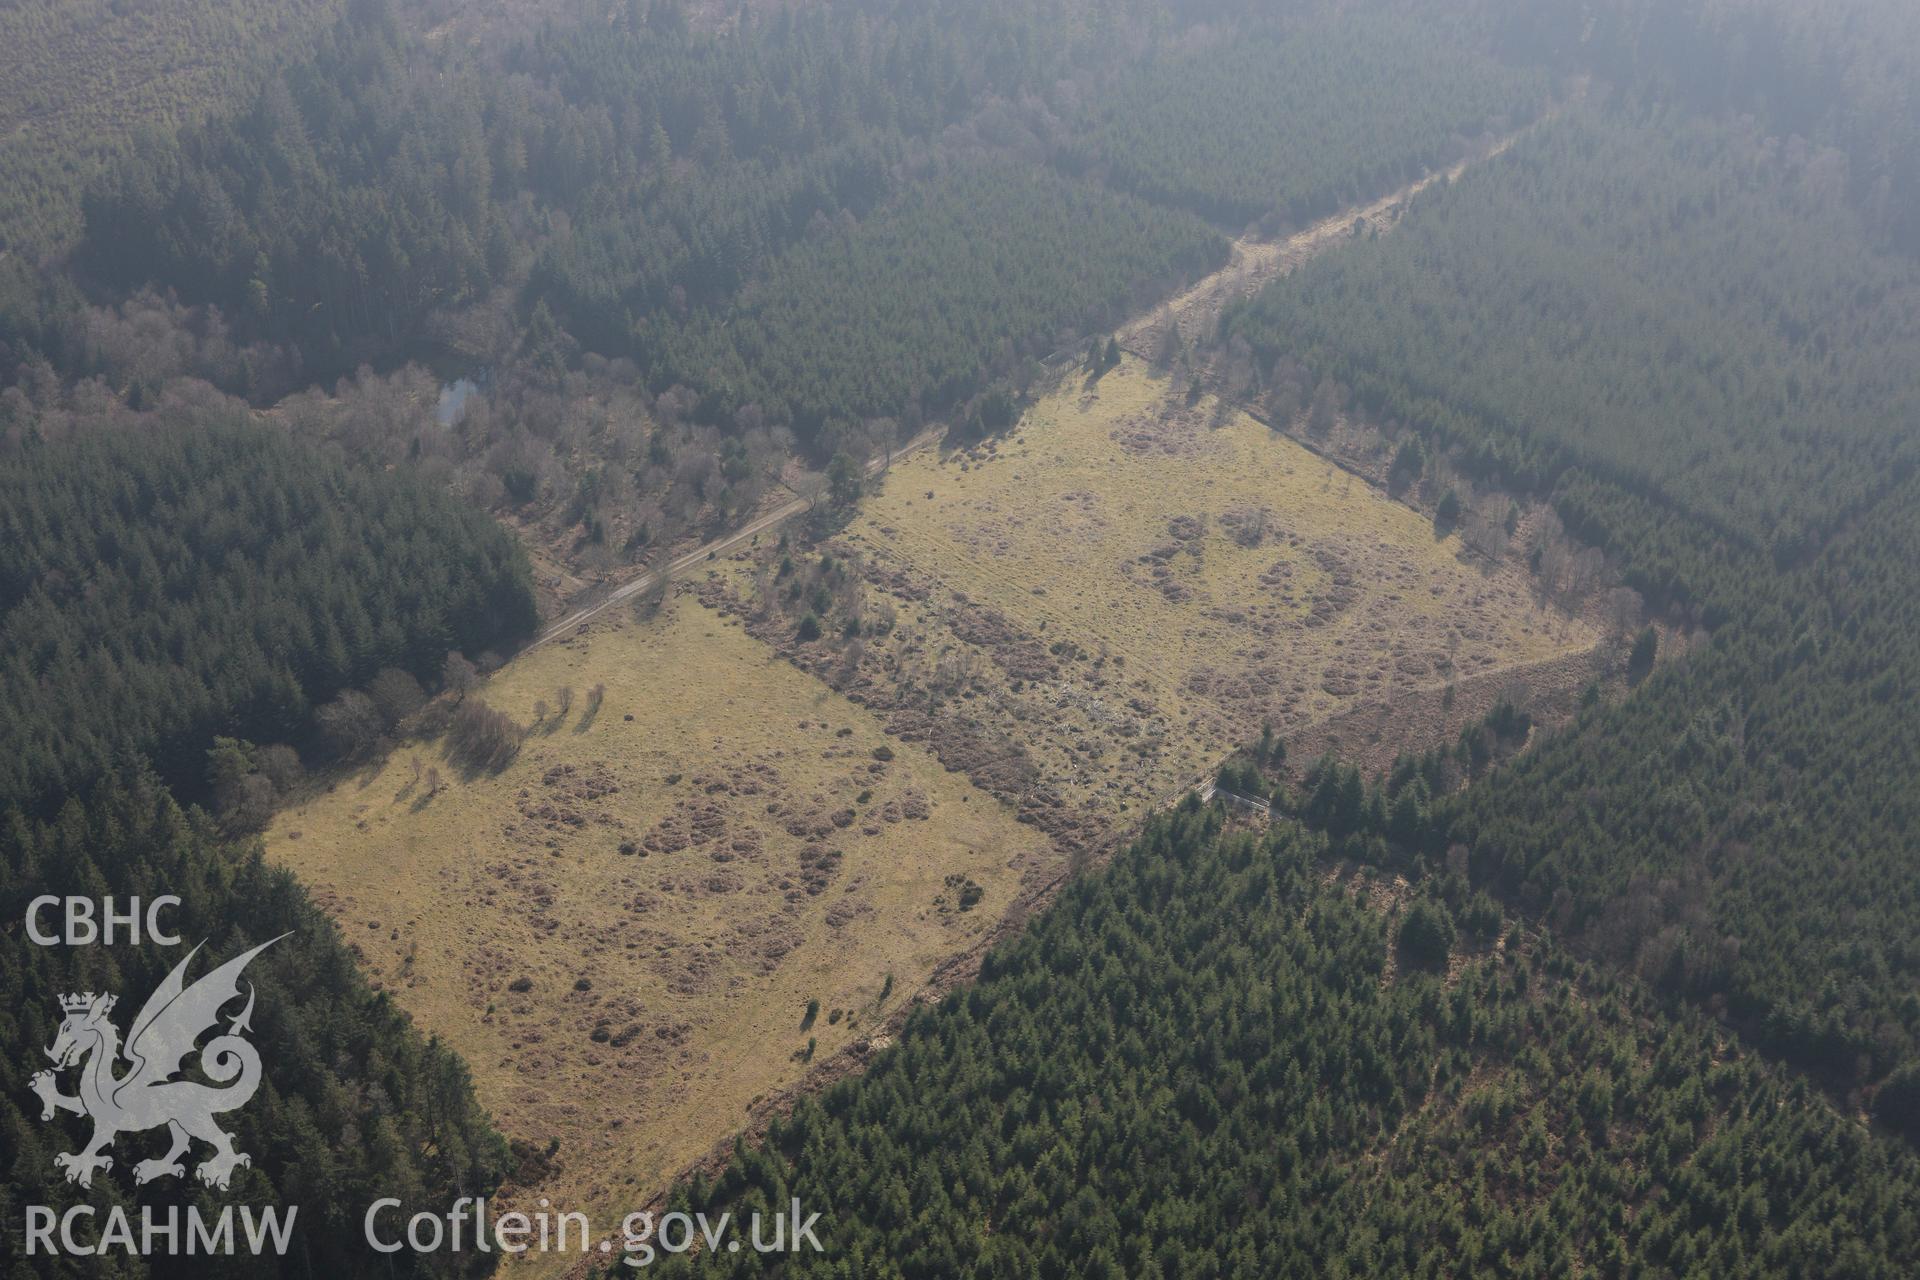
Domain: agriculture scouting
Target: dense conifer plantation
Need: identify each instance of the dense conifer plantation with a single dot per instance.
(1300, 121)
(353, 1106)
(1647, 317)
(166, 579)
(200, 576)
(1203, 1063)
(1682, 334)
(1742, 830)
(920, 305)
(650, 169)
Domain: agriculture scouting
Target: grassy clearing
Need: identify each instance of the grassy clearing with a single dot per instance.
(1219, 575)
(621, 932)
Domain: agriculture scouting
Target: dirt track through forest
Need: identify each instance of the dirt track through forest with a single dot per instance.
(1254, 263)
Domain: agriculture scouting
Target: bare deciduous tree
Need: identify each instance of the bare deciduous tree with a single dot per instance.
(1624, 608)
(396, 695)
(457, 675)
(280, 765)
(482, 738)
(351, 725)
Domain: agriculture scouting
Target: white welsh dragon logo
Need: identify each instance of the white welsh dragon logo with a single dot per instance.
(148, 1096)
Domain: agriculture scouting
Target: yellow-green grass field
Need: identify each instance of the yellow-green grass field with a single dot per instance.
(1232, 577)
(621, 932)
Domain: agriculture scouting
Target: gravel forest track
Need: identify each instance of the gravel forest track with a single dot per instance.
(1254, 263)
